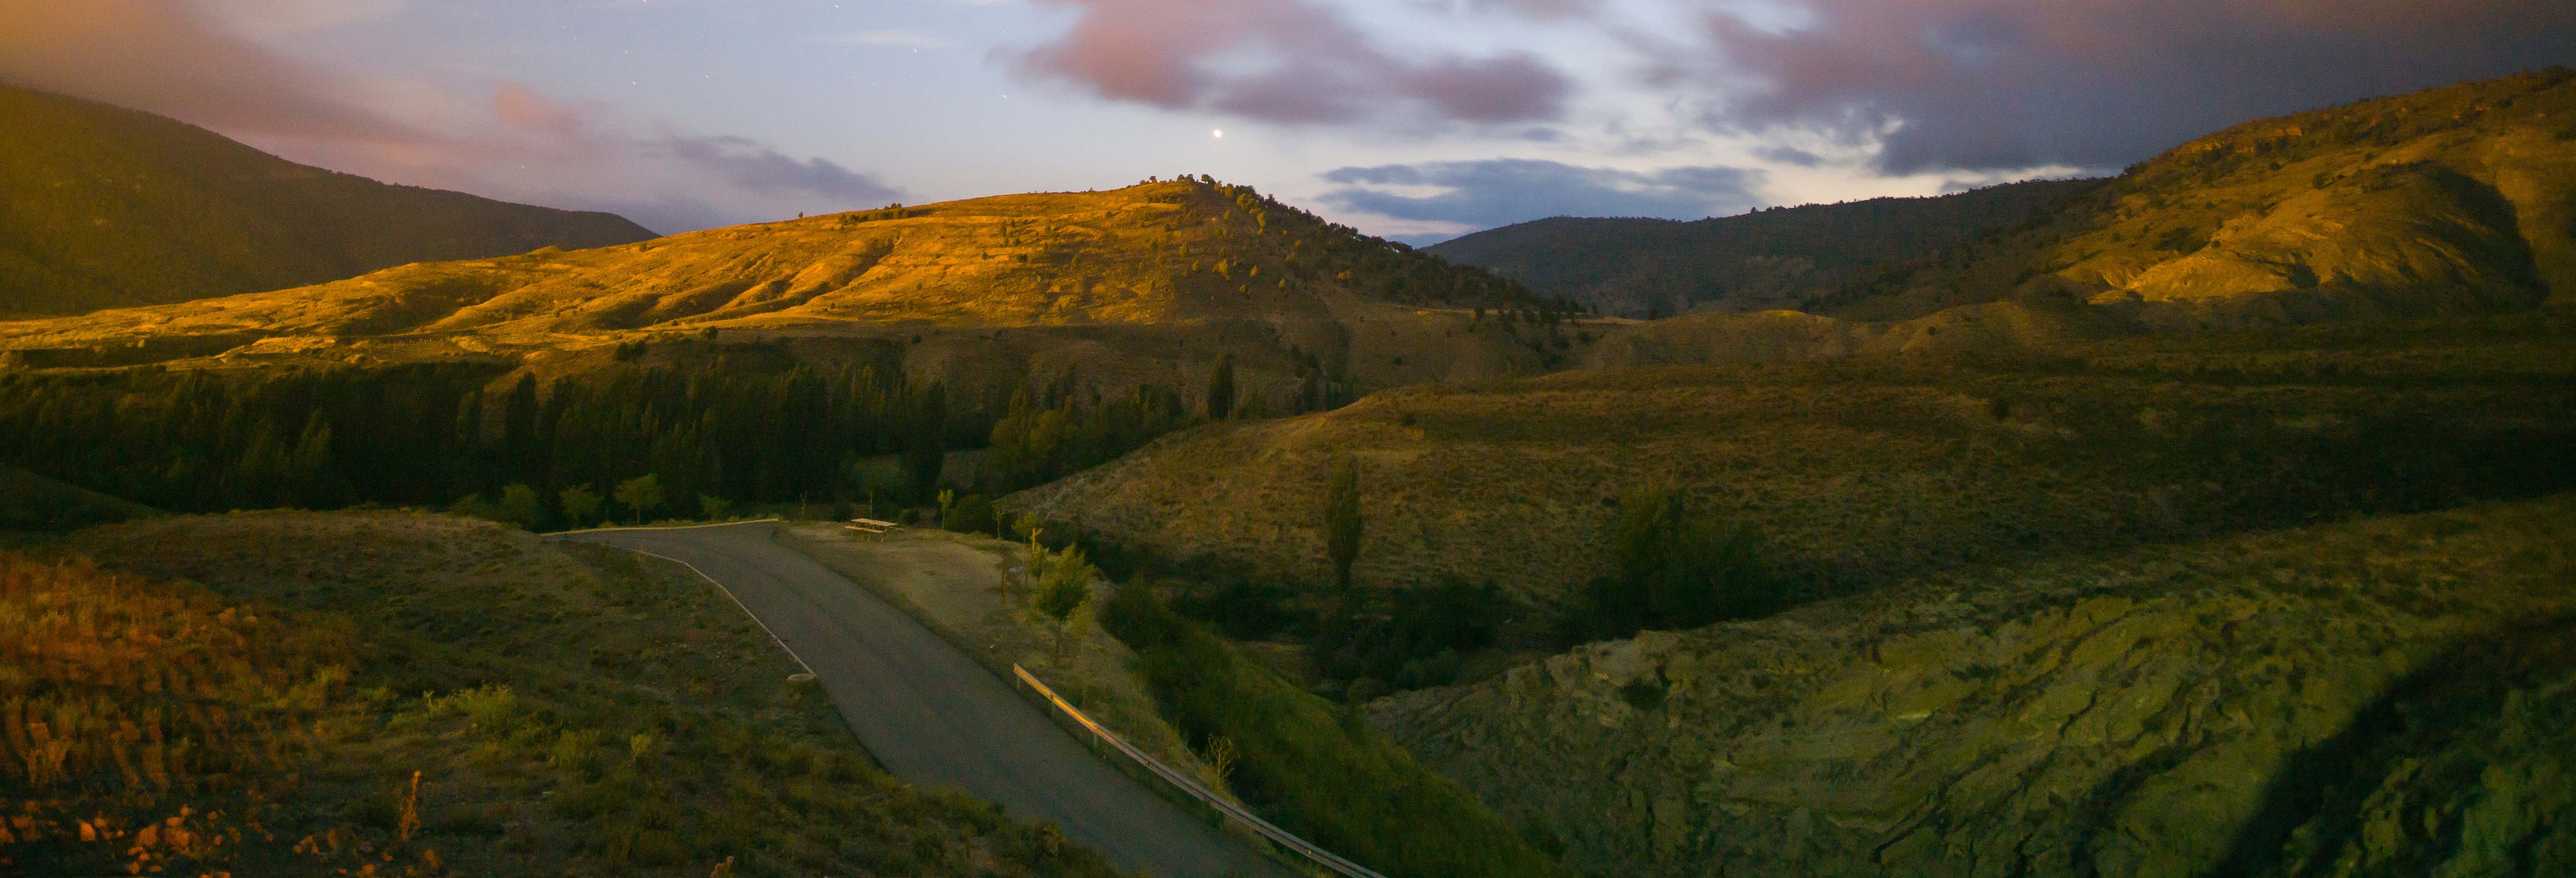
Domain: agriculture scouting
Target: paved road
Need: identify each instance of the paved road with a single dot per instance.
(933, 716)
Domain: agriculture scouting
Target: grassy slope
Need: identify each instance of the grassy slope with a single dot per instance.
(1152, 253)
(111, 207)
(1758, 261)
(2385, 697)
(568, 710)
(1864, 472)
(2453, 200)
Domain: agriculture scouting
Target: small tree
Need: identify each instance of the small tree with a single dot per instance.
(1220, 394)
(713, 507)
(642, 493)
(579, 504)
(519, 505)
(1342, 524)
(1063, 588)
(972, 513)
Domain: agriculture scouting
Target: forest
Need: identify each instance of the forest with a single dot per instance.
(710, 434)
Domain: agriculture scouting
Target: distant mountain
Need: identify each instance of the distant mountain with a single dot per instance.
(108, 207)
(2454, 200)
(1757, 261)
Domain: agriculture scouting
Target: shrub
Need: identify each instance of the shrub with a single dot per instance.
(972, 513)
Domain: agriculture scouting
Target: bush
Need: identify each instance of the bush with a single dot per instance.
(972, 514)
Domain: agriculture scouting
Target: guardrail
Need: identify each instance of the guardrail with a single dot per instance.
(1191, 787)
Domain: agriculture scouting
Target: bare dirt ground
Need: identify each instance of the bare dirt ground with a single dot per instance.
(974, 591)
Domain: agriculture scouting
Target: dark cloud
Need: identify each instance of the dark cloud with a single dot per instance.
(756, 167)
(1985, 85)
(1788, 155)
(1504, 191)
(1283, 61)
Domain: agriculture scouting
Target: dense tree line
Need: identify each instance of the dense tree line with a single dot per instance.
(710, 435)
(321, 438)
(1055, 430)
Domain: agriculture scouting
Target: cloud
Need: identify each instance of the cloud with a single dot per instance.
(1484, 194)
(757, 168)
(166, 57)
(1993, 84)
(1289, 61)
(1788, 155)
(902, 39)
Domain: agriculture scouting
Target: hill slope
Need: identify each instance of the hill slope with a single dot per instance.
(1153, 253)
(1864, 471)
(2385, 697)
(109, 207)
(1758, 261)
(2448, 201)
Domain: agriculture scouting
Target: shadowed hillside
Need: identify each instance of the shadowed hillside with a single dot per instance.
(109, 207)
(1755, 262)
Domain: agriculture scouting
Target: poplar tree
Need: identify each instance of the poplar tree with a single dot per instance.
(1342, 523)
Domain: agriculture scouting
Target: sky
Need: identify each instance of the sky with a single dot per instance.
(1413, 119)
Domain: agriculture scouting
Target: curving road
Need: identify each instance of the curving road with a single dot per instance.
(933, 716)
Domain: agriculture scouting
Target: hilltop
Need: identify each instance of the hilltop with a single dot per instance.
(2454, 200)
(1759, 261)
(110, 207)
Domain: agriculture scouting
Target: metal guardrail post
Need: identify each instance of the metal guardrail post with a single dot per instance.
(1192, 788)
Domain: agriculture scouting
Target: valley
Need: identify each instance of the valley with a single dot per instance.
(2207, 519)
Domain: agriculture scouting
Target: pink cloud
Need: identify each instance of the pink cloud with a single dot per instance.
(1288, 61)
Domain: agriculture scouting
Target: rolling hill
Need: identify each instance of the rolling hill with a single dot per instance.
(1864, 470)
(109, 207)
(1759, 261)
(2455, 200)
(1149, 284)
